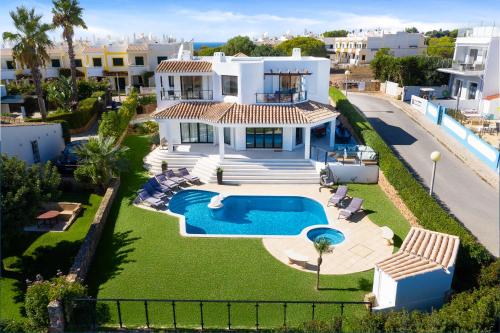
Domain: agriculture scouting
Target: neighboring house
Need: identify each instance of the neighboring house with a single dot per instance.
(419, 275)
(361, 47)
(474, 75)
(32, 142)
(244, 103)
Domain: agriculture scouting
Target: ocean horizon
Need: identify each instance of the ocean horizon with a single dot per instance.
(198, 45)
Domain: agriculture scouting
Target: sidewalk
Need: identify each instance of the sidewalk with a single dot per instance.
(483, 171)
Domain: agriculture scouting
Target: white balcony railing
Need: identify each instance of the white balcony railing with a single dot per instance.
(136, 69)
(8, 74)
(94, 71)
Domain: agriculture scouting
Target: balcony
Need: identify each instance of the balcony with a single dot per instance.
(281, 97)
(462, 67)
(137, 69)
(50, 72)
(94, 71)
(8, 74)
(198, 94)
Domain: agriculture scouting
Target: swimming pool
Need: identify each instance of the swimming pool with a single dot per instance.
(333, 235)
(246, 215)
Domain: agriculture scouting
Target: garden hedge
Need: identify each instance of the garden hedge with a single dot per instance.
(87, 108)
(472, 255)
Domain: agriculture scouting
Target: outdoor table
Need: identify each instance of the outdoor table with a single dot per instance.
(47, 217)
(387, 234)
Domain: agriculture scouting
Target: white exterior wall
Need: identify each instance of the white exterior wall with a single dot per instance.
(16, 141)
(384, 288)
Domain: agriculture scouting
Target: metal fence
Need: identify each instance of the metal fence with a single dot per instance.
(94, 314)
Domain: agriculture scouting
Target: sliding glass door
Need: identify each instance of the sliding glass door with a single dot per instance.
(196, 133)
(264, 137)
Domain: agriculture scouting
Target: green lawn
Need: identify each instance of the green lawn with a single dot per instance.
(43, 253)
(142, 255)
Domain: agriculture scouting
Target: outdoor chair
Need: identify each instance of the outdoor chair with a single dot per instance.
(354, 206)
(144, 197)
(153, 192)
(184, 173)
(162, 179)
(339, 195)
(171, 175)
(159, 186)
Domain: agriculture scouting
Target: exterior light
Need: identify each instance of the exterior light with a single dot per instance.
(347, 73)
(435, 157)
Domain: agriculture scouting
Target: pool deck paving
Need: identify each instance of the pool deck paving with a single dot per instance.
(363, 245)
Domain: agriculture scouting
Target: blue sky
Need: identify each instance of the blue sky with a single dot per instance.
(219, 20)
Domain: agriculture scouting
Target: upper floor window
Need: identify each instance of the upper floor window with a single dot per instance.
(139, 61)
(471, 94)
(160, 59)
(97, 62)
(11, 64)
(171, 82)
(56, 63)
(78, 63)
(229, 85)
(118, 62)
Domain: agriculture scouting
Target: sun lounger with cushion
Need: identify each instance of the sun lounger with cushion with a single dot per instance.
(159, 186)
(153, 192)
(184, 173)
(171, 175)
(339, 195)
(162, 179)
(354, 206)
(144, 197)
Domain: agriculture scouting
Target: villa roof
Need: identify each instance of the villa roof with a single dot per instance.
(422, 251)
(228, 113)
(137, 48)
(93, 49)
(179, 66)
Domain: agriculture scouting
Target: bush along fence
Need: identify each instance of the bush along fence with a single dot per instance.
(430, 215)
(438, 115)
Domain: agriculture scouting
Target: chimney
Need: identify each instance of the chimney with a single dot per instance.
(296, 53)
(219, 57)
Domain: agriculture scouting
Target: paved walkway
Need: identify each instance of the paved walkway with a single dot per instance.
(469, 197)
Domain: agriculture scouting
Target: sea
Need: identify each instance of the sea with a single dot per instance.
(198, 45)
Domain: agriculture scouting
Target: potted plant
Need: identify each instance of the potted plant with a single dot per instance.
(164, 166)
(219, 175)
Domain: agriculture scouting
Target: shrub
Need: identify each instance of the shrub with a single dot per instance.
(97, 94)
(147, 99)
(65, 130)
(320, 326)
(113, 124)
(87, 87)
(490, 275)
(472, 255)
(16, 326)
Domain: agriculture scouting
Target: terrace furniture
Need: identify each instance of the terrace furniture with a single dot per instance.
(171, 175)
(158, 186)
(153, 192)
(387, 234)
(49, 217)
(354, 206)
(339, 195)
(144, 197)
(187, 176)
(296, 258)
(162, 179)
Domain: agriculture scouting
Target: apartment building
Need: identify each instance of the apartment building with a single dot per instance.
(475, 70)
(360, 47)
(123, 63)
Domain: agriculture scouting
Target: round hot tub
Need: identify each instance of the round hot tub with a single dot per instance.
(333, 235)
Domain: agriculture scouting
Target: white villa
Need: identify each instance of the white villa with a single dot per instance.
(239, 108)
(475, 70)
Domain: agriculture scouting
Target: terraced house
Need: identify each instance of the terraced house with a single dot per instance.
(267, 109)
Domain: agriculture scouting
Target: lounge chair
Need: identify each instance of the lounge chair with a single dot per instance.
(144, 197)
(162, 179)
(153, 192)
(354, 206)
(184, 173)
(339, 195)
(171, 175)
(159, 186)
(296, 258)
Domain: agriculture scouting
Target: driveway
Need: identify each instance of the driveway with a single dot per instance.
(468, 197)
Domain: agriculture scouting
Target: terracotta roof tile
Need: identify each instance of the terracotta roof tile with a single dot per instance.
(226, 113)
(137, 48)
(422, 251)
(179, 66)
(93, 49)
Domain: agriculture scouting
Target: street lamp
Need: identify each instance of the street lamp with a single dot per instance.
(435, 157)
(347, 73)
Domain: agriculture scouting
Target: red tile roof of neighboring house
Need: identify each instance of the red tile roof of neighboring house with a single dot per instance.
(137, 48)
(179, 66)
(492, 97)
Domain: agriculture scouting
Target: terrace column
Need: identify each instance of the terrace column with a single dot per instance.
(220, 131)
(307, 143)
(332, 134)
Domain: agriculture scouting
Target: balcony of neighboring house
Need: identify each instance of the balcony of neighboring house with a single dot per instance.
(94, 71)
(189, 88)
(50, 72)
(468, 60)
(283, 87)
(8, 74)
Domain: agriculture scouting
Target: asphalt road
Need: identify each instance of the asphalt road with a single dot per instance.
(468, 197)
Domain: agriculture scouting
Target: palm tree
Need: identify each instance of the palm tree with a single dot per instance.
(31, 43)
(322, 245)
(68, 15)
(100, 161)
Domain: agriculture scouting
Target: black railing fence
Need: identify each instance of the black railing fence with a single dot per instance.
(95, 314)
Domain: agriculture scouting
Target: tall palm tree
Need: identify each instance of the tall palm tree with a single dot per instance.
(68, 16)
(31, 43)
(322, 245)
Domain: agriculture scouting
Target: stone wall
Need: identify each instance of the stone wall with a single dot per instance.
(87, 251)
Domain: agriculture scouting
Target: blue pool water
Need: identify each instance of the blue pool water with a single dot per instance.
(333, 235)
(247, 215)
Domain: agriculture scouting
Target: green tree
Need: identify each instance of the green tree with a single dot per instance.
(335, 33)
(411, 30)
(309, 46)
(266, 51)
(31, 43)
(238, 44)
(67, 14)
(322, 246)
(206, 51)
(101, 161)
(441, 47)
(59, 92)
